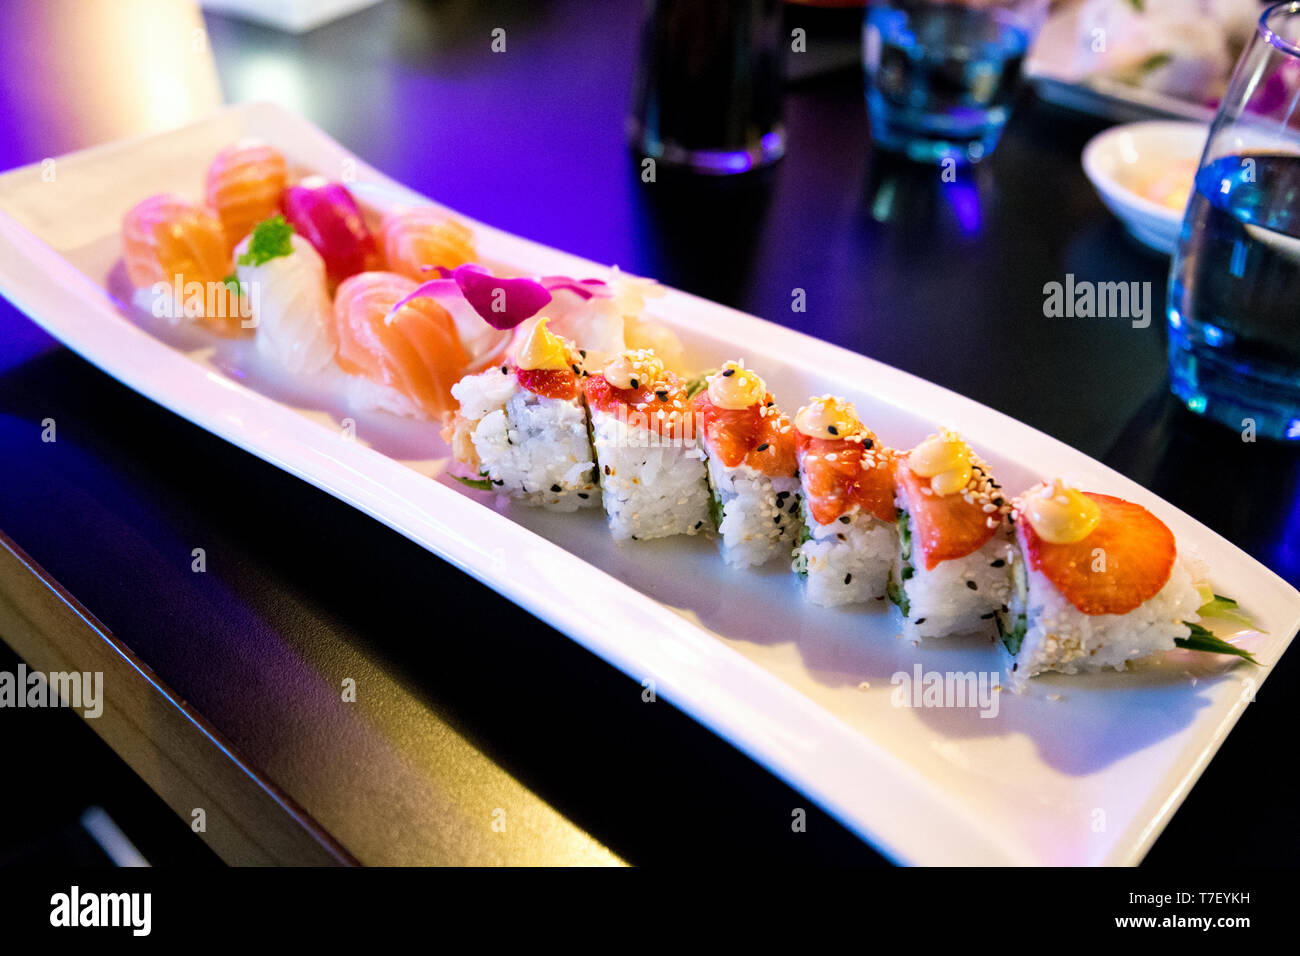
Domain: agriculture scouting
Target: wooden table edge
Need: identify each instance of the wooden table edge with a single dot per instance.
(174, 749)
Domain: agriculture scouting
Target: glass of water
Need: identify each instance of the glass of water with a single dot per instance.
(942, 74)
(1234, 289)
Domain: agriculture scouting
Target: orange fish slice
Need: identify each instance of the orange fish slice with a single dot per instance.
(170, 240)
(418, 353)
(244, 185)
(413, 239)
(944, 527)
(1123, 563)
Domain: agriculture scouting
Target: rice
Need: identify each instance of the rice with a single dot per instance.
(958, 596)
(532, 448)
(652, 486)
(848, 560)
(1060, 637)
(760, 514)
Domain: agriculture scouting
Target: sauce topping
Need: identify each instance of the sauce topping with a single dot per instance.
(1060, 514)
(828, 417)
(545, 364)
(733, 387)
(945, 459)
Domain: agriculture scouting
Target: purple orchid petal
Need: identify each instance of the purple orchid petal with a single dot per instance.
(503, 303)
(585, 288)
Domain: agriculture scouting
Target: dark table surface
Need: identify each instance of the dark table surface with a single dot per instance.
(944, 280)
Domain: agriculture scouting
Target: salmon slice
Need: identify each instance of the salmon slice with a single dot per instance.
(839, 473)
(244, 185)
(1124, 562)
(759, 435)
(170, 240)
(944, 527)
(416, 240)
(418, 353)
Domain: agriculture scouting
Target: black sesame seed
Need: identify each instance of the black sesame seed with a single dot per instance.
(764, 446)
(505, 370)
(868, 444)
(848, 577)
(635, 383)
(556, 488)
(583, 494)
(845, 519)
(607, 469)
(972, 585)
(782, 495)
(794, 507)
(582, 352)
(919, 620)
(999, 563)
(832, 429)
(987, 617)
(1015, 667)
(698, 524)
(776, 520)
(576, 370)
(728, 372)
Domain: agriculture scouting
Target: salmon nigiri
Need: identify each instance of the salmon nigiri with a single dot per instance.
(409, 360)
(172, 244)
(244, 185)
(417, 240)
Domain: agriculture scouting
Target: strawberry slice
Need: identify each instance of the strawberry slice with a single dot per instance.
(1139, 552)
(943, 527)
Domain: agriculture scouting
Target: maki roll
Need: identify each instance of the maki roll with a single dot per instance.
(751, 461)
(1100, 584)
(954, 565)
(847, 542)
(522, 427)
(652, 472)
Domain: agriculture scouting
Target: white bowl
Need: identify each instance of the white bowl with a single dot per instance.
(1122, 159)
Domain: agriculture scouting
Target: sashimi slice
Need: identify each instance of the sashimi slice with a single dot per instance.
(415, 351)
(418, 240)
(944, 527)
(291, 305)
(244, 185)
(1124, 562)
(171, 242)
(840, 473)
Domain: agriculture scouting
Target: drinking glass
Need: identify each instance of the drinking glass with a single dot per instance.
(708, 89)
(941, 74)
(1234, 288)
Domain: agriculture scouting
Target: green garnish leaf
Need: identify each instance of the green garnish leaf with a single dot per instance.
(478, 484)
(898, 596)
(1203, 639)
(271, 239)
(1227, 609)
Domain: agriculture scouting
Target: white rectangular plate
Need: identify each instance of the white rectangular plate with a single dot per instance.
(1071, 771)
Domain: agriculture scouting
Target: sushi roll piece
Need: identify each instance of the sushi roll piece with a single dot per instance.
(752, 472)
(848, 540)
(1101, 583)
(652, 472)
(417, 240)
(244, 186)
(177, 257)
(283, 277)
(522, 427)
(403, 360)
(953, 571)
